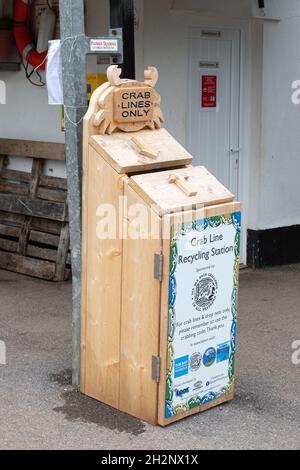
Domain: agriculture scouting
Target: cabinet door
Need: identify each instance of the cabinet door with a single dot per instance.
(140, 319)
(198, 310)
(101, 285)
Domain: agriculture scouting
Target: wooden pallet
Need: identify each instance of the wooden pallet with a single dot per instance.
(34, 229)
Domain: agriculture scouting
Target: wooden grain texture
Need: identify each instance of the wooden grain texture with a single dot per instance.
(29, 266)
(62, 252)
(28, 200)
(88, 130)
(12, 187)
(168, 220)
(15, 175)
(144, 148)
(104, 108)
(33, 207)
(33, 149)
(122, 154)
(133, 105)
(140, 319)
(53, 182)
(156, 190)
(51, 194)
(101, 267)
(44, 238)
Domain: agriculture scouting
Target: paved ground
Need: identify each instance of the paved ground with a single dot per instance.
(39, 409)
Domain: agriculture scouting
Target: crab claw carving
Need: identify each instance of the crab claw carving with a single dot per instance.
(113, 75)
(151, 76)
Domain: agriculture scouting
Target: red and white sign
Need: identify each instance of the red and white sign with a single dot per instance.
(104, 45)
(209, 91)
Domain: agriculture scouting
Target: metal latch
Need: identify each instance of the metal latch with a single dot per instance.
(158, 266)
(156, 368)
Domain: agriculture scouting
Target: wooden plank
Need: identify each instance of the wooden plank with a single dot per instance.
(2, 161)
(15, 175)
(62, 253)
(156, 190)
(168, 220)
(9, 218)
(33, 149)
(24, 234)
(140, 319)
(41, 253)
(9, 231)
(33, 207)
(18, 212)
(53, 182)
(43, 238)
(88, 130)
(37, 168)
(45, 225)
(122, 154)
(24, 265)
(50, 194)
(8, 245)
(16, 188)
(144, 148)
(183, 184)
(101, 268)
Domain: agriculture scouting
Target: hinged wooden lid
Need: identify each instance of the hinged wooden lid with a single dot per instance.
(140, 151)
(174, 190)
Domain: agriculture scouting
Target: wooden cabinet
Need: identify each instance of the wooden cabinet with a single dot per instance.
(159, 277)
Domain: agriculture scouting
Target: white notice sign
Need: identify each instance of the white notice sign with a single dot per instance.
(203, 292)
(104, 45)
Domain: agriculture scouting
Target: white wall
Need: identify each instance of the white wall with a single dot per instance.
(280, 151)
(271, 137)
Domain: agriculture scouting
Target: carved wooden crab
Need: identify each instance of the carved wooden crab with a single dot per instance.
(104, 111)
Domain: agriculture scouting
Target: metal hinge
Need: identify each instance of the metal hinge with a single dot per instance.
(156, 368)
(158, 266)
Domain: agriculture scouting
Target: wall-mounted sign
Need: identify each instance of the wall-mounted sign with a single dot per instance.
(133, 104)
(104, 45)
(209, 91)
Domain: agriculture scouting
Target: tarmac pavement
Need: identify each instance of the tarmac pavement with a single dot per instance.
(40, 410)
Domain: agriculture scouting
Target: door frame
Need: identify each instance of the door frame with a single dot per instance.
(249, 115)
(233, 36)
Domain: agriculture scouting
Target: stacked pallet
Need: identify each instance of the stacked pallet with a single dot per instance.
(34, 229)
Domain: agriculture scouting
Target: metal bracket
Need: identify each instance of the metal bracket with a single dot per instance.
(158, 266)
(156, 368)
(110, 47)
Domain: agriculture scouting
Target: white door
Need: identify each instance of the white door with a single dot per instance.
(214, 102)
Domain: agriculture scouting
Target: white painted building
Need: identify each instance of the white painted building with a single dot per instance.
(250, 139)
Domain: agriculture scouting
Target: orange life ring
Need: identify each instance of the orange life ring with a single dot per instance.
(23, 37)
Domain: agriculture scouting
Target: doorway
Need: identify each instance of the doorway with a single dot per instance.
(214, 103)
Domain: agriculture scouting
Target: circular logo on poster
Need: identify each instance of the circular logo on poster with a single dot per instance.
(195, 361)
(204, 292)
(209, 357)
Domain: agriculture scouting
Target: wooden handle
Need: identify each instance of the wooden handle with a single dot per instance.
(144, 148)
(183, 184)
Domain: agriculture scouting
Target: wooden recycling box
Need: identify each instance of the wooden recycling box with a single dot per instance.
(160, 263)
